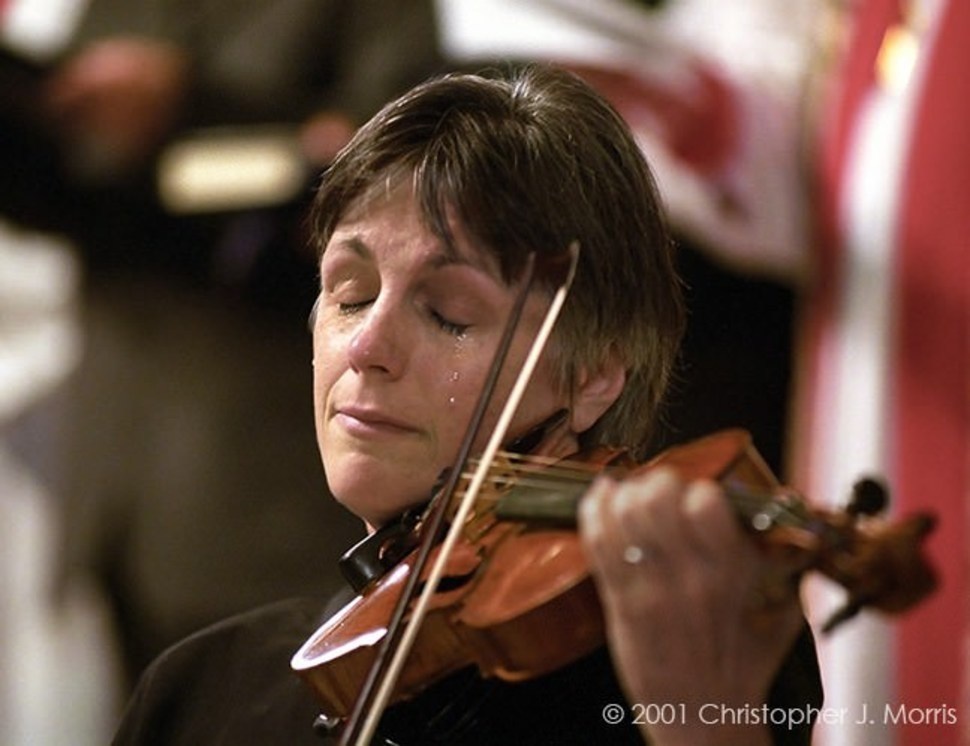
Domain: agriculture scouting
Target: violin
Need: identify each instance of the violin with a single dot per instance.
(517, 600)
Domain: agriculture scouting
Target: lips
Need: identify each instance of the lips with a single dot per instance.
(365, 421)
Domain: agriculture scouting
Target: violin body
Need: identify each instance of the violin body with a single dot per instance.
(469, 624)
(518, 600)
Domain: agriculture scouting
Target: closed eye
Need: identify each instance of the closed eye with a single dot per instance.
(451, 327)
(349, 309)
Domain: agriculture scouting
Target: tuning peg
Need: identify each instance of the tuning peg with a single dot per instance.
(869, 497)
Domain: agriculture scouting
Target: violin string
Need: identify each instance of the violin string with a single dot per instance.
(750, 504)
(541, 472)
(551, 478)
(563, 470)
(541, 462)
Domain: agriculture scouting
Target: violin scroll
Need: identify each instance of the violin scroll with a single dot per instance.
(879, 562)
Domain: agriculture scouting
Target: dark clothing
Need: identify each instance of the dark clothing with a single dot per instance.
(191, 482)
(282, 60)
(229, 684)
(232, 684)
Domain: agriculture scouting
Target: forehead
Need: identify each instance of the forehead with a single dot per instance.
(392, 205)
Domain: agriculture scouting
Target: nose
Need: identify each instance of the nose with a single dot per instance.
(378, 344)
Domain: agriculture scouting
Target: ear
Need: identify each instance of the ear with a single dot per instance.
(594, 393)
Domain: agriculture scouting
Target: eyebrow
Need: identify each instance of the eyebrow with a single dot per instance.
(358, 247)
(446, 257)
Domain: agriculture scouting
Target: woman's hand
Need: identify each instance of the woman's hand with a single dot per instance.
(696, 615)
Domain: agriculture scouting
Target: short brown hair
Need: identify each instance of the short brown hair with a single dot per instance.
(532, 159)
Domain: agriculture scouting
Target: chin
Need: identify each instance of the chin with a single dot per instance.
(376, 498)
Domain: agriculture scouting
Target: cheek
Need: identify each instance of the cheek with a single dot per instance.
(324, 378)
(542, 398)
(320, 394)
(451, 393)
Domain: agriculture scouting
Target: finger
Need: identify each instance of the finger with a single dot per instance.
(597, 528)
(648, 509)
(712, 524)
(766, 591)
(595, 521)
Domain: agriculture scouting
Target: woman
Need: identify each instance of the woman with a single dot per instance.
(424, 224)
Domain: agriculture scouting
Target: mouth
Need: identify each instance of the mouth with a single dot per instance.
(365, 422)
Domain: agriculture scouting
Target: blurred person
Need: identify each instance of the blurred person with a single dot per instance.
(130, 77)
(129, 81)
(188, 495)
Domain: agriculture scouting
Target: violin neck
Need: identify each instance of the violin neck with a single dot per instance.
(556, 506)
(546, 506)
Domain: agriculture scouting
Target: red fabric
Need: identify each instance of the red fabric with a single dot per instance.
(930, 418)
(698, 125)
(930, 380)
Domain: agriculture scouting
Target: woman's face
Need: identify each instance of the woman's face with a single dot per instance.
(403, 336)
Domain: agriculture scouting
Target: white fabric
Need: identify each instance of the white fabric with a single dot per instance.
(57, 682)
(761, 45)
(39, 29)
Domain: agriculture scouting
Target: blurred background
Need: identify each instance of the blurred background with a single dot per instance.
(158, 468)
